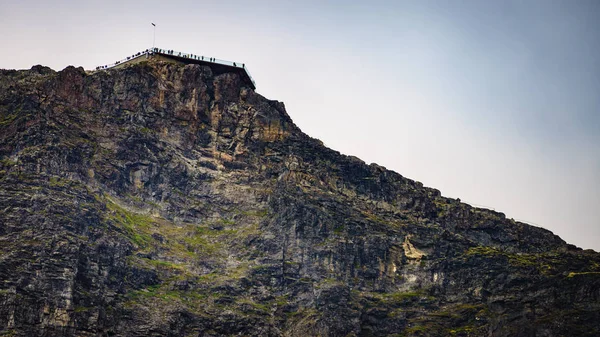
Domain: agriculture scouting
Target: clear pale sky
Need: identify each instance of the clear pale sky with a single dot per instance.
(494, 102)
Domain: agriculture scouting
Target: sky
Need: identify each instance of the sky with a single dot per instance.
(493, 102)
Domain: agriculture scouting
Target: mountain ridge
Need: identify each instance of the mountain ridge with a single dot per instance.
(159, 199)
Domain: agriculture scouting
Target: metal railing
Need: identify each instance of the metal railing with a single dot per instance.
(128, 58)
(205, 59)
(188, 56)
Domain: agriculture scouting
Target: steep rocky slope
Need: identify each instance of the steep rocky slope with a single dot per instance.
(160, 200)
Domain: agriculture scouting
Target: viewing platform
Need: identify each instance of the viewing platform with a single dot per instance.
(169, 55)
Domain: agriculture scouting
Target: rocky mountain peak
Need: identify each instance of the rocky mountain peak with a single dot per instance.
(162, 199)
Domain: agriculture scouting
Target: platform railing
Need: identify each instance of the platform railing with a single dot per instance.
(128, 58)
(175, 53)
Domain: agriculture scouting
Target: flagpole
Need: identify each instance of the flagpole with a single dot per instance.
(154, 37)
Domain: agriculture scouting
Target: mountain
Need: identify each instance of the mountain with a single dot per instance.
(164, 200)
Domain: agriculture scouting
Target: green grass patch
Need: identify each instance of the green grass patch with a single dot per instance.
(461, 330)
(262, 307)
(377, 219)
(8, 333)
(8, 119)
(145, 130)
(202, 243)
(82, 309)
(167, 265)
(339, 229)
(517, 260)
(163, 292)
(207, 231)
(573, 274)
(136, 226)
(6, 162)
(59, 182)
(401, 296)
(484, 251)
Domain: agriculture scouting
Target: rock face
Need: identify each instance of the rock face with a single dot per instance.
(161, 200)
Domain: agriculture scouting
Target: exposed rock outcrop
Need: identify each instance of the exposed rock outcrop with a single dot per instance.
(159, 199)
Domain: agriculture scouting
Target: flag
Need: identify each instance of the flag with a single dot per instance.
(153, 24)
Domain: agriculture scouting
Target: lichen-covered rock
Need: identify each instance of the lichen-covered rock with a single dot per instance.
(162, 200)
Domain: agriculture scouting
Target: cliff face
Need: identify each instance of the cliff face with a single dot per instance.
(162, 200)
